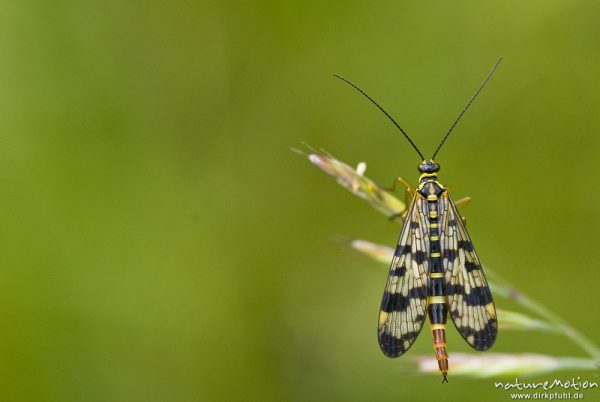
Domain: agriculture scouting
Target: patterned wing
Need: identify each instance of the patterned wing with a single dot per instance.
(404, 303)
(469, 297)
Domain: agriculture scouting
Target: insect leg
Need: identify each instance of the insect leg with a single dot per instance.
(462, 202)
(409, 193)
(410, 190)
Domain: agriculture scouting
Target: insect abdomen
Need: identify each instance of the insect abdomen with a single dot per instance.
(437, 309)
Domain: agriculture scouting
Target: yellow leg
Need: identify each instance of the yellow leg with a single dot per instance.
(410, 190)
(409, 193)
(462, 202)
(393, 217)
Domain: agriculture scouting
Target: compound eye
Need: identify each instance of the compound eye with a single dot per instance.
(429, 167)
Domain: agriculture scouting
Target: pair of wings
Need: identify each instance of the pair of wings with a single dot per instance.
(404, 304)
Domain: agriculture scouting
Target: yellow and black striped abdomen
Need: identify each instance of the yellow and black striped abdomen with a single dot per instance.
(437, 308)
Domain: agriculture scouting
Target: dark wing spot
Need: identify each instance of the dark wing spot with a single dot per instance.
(402, 249)
(394, 302)
(400, 271)
(465, 245)
(394, 347)
(450, 255)
(419, 257)
(484, 338)
(471, 266)
(397, 302)
(479, 296)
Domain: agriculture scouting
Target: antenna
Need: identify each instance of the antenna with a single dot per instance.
(384, 112)
(468, 104)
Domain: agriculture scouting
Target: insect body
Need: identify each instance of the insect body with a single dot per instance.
(435, 270)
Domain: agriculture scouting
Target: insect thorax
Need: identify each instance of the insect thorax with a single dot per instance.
(430, 187)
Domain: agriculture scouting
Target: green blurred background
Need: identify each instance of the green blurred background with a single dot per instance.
(160, 241)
